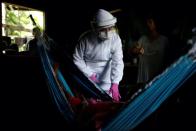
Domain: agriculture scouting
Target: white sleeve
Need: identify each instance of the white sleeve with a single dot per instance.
(78, 58)
(117, 62)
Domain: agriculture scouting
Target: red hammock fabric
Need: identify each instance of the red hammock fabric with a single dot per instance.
(94, 111)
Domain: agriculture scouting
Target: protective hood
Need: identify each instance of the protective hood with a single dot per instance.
(104, 19)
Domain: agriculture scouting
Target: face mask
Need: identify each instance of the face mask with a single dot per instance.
(103, 35)
(110, 34)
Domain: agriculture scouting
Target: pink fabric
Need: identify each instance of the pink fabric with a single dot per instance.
(94, 78)
(115, 92)
(92, 101)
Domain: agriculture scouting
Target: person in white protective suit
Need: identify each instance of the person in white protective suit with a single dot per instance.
(99, 54)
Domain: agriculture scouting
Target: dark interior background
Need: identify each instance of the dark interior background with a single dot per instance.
(66, 20)
(28, 106)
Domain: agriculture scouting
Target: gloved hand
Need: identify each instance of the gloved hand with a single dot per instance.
(93, 77)
(115, 92)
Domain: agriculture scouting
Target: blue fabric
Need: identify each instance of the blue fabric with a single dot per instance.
(154, 94)
(158, 90)
(64, 83)
(60, 100)
(57, 83)
(81, 82)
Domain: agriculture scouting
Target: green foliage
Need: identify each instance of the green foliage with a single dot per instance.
(11, 18)
(18, 19)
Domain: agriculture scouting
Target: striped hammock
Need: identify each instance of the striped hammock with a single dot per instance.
(143, 103)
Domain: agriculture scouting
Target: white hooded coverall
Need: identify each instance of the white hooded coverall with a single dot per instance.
(102, 57)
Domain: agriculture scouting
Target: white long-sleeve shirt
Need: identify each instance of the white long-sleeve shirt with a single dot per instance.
(105, 58)
(151, 62)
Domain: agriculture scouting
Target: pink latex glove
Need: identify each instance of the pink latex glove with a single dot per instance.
(93, 77)
(115, 92)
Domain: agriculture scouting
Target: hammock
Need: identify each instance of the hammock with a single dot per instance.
(158, 90)
(141, 105)
(60, 89)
